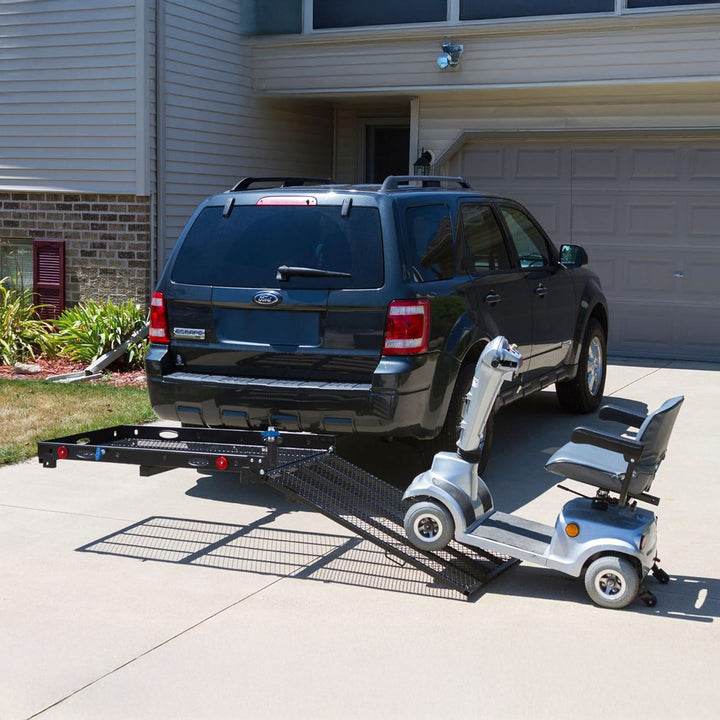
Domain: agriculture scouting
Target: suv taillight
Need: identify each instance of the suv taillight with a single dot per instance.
(158, 319)
(407, 327)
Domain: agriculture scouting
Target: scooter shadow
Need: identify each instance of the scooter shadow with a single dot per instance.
(683, 598)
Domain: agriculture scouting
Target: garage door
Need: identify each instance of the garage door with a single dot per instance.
(646, 209)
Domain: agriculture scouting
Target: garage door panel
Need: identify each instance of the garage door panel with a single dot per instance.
(655, 163)
(699, 333)
(649, 277)
(704, 163)
(594, 218)
(641, 329)
(652, 219)
(596, 164)
(704, 220)
(701, 277)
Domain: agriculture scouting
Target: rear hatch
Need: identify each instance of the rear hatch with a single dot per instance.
(279, 286)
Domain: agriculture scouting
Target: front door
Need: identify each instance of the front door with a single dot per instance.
(386, 151)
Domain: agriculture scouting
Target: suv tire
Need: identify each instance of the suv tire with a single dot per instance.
(584, 392)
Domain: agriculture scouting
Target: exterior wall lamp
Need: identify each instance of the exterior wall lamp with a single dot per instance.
(423, 164)
(450, 56)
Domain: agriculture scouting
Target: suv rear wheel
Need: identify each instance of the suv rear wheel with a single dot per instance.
(584, 392)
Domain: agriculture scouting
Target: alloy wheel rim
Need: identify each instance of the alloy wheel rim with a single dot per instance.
(610, 584)
(594, 366)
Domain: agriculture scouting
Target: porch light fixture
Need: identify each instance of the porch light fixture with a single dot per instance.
(423, 164)
(450, 56)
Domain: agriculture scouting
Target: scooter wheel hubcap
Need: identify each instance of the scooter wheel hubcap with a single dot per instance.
(427, 527)
(609, 584)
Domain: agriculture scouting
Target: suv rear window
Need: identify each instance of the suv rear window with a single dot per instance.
(246, 248)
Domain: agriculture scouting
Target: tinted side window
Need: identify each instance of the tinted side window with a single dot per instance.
(483, 238)
(528, 240)
(246, 248)
(429, 253)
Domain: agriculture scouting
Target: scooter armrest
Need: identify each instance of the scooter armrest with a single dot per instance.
(621, 415)
(628, 448)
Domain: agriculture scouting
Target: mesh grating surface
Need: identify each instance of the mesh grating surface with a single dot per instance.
(285, 454)
(375, 510)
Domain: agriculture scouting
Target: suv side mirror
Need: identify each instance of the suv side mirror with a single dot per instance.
(573, 256)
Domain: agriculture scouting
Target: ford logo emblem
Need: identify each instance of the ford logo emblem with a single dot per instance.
(267, 298)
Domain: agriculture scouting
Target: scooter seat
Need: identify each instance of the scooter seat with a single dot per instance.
(614, 462)
(596, 466)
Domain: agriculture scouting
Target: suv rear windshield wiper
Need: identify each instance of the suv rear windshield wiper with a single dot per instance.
(284, 272)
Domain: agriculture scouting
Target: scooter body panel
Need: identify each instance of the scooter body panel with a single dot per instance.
(455, 483)
(603, 530)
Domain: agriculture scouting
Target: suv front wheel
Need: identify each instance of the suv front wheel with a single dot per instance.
(584, 392)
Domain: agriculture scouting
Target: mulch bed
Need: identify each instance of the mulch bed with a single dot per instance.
(60, 366)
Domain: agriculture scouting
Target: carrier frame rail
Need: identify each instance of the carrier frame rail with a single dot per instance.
(303, 466)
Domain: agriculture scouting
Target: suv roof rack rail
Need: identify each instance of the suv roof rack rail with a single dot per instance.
(245, 183)
(393, 182)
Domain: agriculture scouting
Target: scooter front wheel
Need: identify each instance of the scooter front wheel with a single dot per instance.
(612, 581)
(429, 526)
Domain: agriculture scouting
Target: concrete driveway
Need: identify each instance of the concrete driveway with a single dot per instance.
(188, 596)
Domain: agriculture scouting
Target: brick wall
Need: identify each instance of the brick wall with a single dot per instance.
(107, 239)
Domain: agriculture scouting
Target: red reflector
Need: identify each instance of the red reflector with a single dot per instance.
(407, 327)
(62, 452)
(287, 200)
(158, 319)
(221, 463)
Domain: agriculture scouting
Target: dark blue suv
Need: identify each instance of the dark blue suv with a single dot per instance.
(307, 305)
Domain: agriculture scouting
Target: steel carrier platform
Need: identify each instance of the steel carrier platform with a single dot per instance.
(303, 466)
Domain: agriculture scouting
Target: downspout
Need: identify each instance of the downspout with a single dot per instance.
(160, 142)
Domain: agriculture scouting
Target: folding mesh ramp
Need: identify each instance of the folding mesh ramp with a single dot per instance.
(375, 510)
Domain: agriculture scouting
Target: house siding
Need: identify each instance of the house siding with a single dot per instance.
(622, 49)
(215, 130)
(68, 92)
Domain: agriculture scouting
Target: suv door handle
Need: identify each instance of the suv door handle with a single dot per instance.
(492, 298)
(541, 290)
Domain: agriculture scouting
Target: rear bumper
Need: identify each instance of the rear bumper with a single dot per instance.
(397, 401)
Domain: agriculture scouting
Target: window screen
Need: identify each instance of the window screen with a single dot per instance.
(528, 240)
(16, 263)
(429, 252)
(484, 239)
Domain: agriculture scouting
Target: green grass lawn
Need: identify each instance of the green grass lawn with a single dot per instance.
(32, 410)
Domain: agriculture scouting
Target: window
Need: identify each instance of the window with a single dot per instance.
(429, 251)
(351, 13)
(487, 10)
(16, 263)
(528, 240)
(246, 248)
(483, 239)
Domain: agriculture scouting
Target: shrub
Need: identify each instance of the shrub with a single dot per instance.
(89, 330)
(23, 335)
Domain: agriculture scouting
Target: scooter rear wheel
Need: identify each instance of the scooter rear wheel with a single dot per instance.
(429, 526)
(612, 581)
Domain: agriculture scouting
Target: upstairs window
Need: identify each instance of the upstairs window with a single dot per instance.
(357, 13)
(488, 10)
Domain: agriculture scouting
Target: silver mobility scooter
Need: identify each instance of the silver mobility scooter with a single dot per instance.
(607, 537)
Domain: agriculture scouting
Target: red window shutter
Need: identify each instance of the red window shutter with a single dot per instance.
(49, 276)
